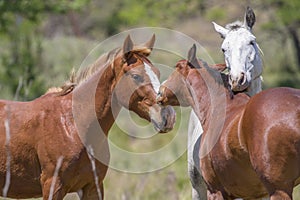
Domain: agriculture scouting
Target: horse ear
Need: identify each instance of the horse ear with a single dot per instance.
(148, 46)
(249, 20)
(192, 59)
(127, 47)
(150, 43)
(220, 29)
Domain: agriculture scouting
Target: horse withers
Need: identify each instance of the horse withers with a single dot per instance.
(57, 143)
(257, 151)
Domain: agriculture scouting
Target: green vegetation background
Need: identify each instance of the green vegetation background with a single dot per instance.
(41, 41)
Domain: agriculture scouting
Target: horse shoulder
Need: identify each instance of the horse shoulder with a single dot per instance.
(232, 138)
(230, 156)
(56, 117)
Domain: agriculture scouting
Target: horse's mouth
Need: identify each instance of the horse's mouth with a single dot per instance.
(240, 87)
(159, 127)
(240, 83)
(166, 121)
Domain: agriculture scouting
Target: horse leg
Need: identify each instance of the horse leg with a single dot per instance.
(53, 191)
(195, 194)
(215, 196)
(199, 188)
(281, 195)
(194, 139)
(91, 192)
(279, 191)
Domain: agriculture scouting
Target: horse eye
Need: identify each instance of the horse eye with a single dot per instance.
(137, 78)
(251, 43)
(223, 50)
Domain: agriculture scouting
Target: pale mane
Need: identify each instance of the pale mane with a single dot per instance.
(83, 74)
(219, 77)
(76, 78)
(234, 25)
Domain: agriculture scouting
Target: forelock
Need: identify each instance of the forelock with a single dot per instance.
(234, 25)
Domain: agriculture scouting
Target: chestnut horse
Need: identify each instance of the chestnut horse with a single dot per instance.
(44, 146)
(244, 63)
(257, 152)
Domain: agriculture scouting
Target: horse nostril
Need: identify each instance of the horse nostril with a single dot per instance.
(241, 81)
(148, 102)
(159, 94)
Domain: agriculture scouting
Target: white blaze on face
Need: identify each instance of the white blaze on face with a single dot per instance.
(153, 77)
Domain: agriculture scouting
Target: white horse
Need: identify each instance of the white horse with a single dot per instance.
(243, 60)
(242, 54)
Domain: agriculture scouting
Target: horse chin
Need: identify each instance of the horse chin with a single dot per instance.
(240, 87)
(161, 127)
(165, 120)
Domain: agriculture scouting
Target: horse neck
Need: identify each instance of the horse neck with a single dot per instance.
(255, 87)
(214, 100)
(256, 83)
(94, 100)
(208, 96)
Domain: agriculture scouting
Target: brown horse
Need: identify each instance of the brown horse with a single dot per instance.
(53, 131)
(256, 153)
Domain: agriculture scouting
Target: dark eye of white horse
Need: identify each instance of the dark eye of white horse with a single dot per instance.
(251, 42)
(137, 78)
(223, 50)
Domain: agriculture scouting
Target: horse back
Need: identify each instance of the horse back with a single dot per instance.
(271, 128)
(17, 145)
(273, 111)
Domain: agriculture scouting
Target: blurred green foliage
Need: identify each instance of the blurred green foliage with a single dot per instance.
(287, 11)
(285, 26)
(164, 13)
(22, 58)
(27, 27)
(21, 72)
(216, 14)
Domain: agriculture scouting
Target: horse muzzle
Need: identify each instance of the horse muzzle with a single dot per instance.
(239, 83)
(163, 118)
(166, 97)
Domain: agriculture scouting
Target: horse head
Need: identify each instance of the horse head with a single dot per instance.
(176, 90)
(242, 53)
(137, 84)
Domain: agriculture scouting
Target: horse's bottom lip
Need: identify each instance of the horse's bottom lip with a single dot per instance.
(160, 127)
(162, 118)
(240, 87)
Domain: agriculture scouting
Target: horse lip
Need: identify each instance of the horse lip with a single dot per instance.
(163, 119)
(157, 126)
(240, 87)
(161, 127)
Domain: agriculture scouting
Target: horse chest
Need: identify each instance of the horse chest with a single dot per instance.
(231, 176)
(227, 168)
